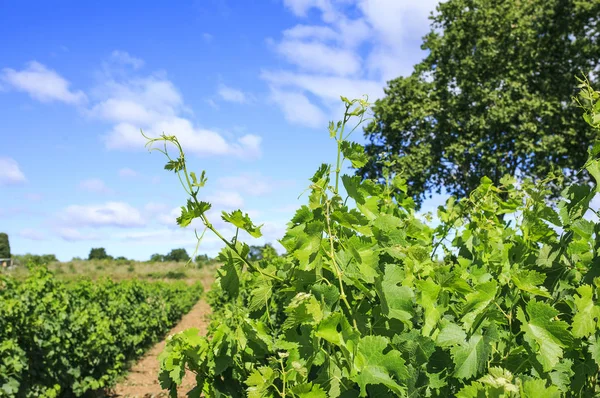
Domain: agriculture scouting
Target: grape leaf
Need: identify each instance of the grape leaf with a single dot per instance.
(375, 367)
(545, 335)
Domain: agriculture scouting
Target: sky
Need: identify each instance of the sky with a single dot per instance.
(248, 87)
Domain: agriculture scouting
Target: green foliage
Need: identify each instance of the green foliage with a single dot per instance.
(492, 98)
(28, 258)
(499, 299)
(266, 252)
(4, 245)
(98, 254)
(157, 258)
(177, 255)
(61, 339)
(202, 260)
(168, 275)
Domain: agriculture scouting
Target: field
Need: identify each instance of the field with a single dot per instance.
(75, 330)
(125, 270)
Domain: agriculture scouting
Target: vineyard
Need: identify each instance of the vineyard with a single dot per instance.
(71, 338)
(499, 299)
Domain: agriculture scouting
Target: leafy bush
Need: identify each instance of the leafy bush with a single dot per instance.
(61, 339)
(203, 260)
(37, 259)
(168, 275)
(157, 258)
(499, 299)
(98, 253)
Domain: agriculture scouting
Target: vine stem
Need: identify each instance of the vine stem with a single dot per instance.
(338, 163)
(194, 192)
(338, 272)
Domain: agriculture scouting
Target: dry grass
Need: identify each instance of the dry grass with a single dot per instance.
(121, 270)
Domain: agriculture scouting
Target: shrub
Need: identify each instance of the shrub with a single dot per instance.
(157, 258)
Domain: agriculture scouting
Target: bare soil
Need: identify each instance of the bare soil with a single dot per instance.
(142, 379)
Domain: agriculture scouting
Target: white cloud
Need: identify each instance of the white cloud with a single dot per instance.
(42, 84)
(10, 173)
(228, 200)
(127, 172)
(123, 57)
(169, 218)
(115, 214)
(34, 197)
(297, 108)
(74, 235)
(231, 94)
(94, 185)
(198, 141)
(170, 237)
(153, 104)
(212, 104)
(249, 183)
(328, 88)
(328, 59)
(32, 234)
(320, 57)
(299, 32)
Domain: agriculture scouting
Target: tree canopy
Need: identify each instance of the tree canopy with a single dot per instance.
(4, 246)
(492, 97)
(177, 255)
(98, 253)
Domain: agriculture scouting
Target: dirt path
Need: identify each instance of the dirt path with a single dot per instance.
(142, 379)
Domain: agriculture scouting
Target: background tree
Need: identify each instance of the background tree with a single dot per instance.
(267, 251)
(493, 97)
(177, 255)
(157, 258)
(98, 253)
(4, 246)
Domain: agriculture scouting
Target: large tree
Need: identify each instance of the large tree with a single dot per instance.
(492, 97)
(177, 255)
(4, 246)
(98, 253)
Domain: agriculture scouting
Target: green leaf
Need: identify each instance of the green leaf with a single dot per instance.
(243, 222)
(587, 318)
(534, 388)
(259, 382)
(355, 153)
(259, 296)
(375, 367)
(594, 350)
(593, 167)
(396, 300)
(304, 308)
(545, 335)
(175, 165)
(450, 335)
(530, 281)
(478, 302)
(470, 358)
(309, 390)
(336, 329)
(192, 211)
(429, 292)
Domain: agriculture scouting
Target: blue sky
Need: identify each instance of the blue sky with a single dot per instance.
(247, 86)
